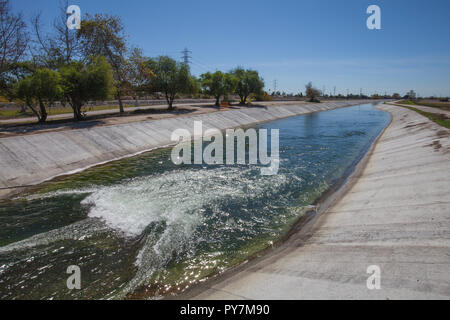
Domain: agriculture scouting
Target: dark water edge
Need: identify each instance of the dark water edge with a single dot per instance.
(111, 243)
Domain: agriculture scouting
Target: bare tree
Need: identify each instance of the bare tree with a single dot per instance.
(65, 40)
(13, 42)
(57, 47)
(312, 93)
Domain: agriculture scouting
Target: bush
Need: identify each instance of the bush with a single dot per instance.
(312, 93)
(264, 96)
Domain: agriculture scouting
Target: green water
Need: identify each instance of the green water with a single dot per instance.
(146, 226)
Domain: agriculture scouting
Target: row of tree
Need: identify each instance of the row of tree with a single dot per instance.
(95, 62)
(74, 83)
(238, 81)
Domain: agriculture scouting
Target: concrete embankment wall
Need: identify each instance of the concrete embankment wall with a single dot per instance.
(32, 159)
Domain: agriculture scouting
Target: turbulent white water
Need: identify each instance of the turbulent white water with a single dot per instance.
(175, 198)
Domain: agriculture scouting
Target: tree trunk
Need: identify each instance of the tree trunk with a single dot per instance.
(169, 100)
(120, 103)
(23, 109)
(170, 105)
(76, 107)
(218, 101)
(35, 113)
(43, 117)
(77, 113)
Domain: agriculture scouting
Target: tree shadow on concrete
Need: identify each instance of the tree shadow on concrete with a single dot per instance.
(90, 121)
(55, 125)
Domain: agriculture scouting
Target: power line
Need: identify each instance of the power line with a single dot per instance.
(201, 64)
(161, 52)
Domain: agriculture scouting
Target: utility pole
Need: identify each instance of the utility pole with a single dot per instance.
(186, 56)
(334, 91)
(275, 86)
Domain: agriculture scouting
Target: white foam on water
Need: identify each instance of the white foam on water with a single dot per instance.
(47, 195)
(80, 230)
(175, 198)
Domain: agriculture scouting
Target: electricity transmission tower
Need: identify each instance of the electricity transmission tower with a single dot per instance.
(275, 86)
(186, 56)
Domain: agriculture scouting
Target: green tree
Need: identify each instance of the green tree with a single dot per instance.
(42, 88)
(83, 82)
(103, 35)
(171, 78)
(248, 81)
(218, 84)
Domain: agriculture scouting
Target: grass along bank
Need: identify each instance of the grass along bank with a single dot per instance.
(443, 105)
(440, 119)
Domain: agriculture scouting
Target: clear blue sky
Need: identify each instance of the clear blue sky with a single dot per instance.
(292, 41)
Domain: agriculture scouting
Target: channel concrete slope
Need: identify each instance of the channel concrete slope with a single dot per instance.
(394, 215)
(32, 159)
